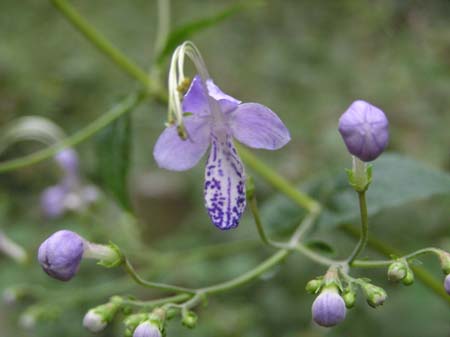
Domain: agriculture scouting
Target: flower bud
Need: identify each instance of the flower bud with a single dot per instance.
(147, 329)
(409, 278)
(189, 319)
(365, 130)
(68, 160)
(97, 319)
(314, 286)
(447, 284)
(93, 321)
(397, 271)
(60, 255)
(444, 257)
(376, 296)
(328, 308)
(349, 298)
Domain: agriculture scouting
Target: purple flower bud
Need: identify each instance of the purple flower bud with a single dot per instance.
(147, 329)
(68, 160)
(328, 308)
(447, 284)
(52, 201)
(365, 130)
(60, 255)
(94, 322)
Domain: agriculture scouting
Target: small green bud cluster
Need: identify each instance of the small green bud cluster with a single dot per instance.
(400, 271)
(375, 295)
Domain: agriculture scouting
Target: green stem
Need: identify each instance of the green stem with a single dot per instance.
(277, 181)
(255, 212)
(420, 273)
(364, 236)
(383, 263)
(107, 48)
(123, 107)
(154, 303)
(248, 276)
(162, 286)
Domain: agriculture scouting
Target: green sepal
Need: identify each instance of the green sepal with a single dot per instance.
(117, 261)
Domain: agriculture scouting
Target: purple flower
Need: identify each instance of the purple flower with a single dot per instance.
(69, 194)
(68, 160)
(147, 329)
(328, 308)
(60, 255)
(215, 119)
(365, 130)
(52, 201)
(447, 284)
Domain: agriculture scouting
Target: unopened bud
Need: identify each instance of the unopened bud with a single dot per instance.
(94, 322)
(147, 329)
(409, 278)
(447, 284)
(444, 257)
(328, 308)
(397, 271)
(189, 319)
(98, 318)
(349, 298)
(376, 296)
(314, 286)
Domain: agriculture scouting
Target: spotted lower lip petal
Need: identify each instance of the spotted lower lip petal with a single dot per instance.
(224, 188)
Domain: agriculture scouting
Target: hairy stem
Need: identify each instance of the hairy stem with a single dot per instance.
(364, 236)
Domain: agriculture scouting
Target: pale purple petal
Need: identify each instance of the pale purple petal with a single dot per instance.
(195, 101)
(52, 201)
(224, 183)
(259, 127)
(328, 309)
(173, 153)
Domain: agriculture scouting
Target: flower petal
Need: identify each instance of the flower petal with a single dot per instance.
(224, 183)
(173, 153)
(259, 127)
(195, 101)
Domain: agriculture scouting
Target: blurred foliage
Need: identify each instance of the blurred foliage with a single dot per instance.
(308, 61)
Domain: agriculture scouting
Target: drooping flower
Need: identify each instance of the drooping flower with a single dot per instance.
(365, 130)
(328, 308)
(69, 193)
(215, 119)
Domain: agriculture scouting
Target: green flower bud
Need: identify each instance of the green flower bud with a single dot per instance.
(397, 271)
(314, 286)
(132, 321)
(445, 261)
(97, 319)
(189, 319)
(349, 297)
(376, 296)
(409, 278)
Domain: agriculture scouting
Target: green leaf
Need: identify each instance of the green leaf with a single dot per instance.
(184, 32)
(397, 180)
(113, 148)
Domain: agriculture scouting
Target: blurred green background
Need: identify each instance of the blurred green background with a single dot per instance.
(306, 60)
